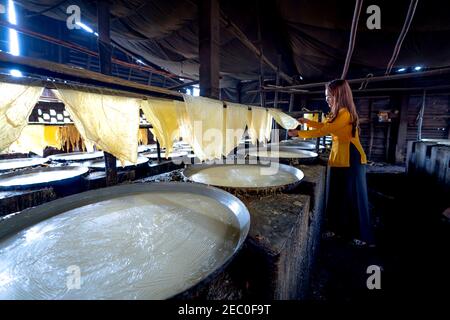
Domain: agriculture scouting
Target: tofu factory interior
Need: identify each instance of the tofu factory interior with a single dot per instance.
(202, 150)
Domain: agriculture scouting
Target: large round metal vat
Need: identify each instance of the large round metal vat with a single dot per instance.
(64, 180)
(100, 164)
(281, 154)
(248, 178)
(20, 163)
(138, 241)
(77, 156)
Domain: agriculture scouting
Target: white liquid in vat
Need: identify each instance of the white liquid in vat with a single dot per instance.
(77, 156)
(33, 177)
(144, 246)
(99, 164)
(242, 176)
(11, 164)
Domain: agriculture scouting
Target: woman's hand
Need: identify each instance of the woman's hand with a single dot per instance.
(293, 133)
(303, 120)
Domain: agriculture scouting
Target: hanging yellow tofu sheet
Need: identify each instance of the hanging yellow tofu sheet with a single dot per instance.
(31, 139)
(165, 117)
(70, 139)
(284, 120)
(235, 122)
(51, 136)
(259, 124)
(142, 136)
(16, 103)
(206, 119)
(107, 121)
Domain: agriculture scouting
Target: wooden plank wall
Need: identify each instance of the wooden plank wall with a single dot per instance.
(435, 125)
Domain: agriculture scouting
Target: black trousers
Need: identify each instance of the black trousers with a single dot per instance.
(347, 208)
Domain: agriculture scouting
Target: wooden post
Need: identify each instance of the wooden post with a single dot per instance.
(277, 83)
(448, 120)
(421, 113)
(158, 151)
(371, 129)
(104, 50)
(400, 148)
(291, 102)
(239, 92)
(209, 46)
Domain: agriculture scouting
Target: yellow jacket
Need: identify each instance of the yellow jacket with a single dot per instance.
(341, 133)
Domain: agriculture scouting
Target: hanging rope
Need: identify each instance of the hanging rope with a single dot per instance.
(351, 44)
(401, 37)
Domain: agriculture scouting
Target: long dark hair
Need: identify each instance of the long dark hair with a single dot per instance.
(343, 98)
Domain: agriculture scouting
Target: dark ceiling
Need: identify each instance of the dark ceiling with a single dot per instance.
(310, 36)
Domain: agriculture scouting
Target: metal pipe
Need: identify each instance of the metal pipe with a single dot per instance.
(351, 43)
(406, 25)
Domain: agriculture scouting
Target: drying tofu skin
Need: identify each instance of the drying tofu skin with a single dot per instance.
(31, 139)
(51, 136)
(284, 120)
(70, 139)
(235, 123)
(16, 105)
(206, 117)
(165, 117)
(143, 136)
(259, 123)
(36, 138)
(107, 121)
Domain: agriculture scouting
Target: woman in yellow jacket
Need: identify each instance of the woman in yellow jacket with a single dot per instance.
(347, 203)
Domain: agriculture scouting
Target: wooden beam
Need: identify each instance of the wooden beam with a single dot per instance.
(61, 43)
(187, 84)
(209, 46)
(105, 54)
(57, 70)
(400, 148)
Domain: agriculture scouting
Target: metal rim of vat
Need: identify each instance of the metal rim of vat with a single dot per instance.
(146, 147)
(100, 164)
(21, 163)
(303, 154)
(77, 156)
(77, 170)
(14, 223)
(154, 155)
(445, 142)
(190, 170)
(295, 144)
